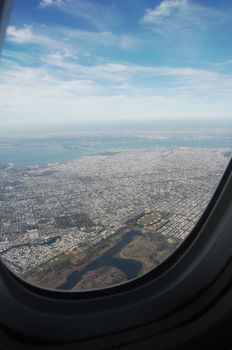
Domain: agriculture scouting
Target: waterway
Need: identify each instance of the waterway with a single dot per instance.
(130, 267)
(43, 151)
(48, 242)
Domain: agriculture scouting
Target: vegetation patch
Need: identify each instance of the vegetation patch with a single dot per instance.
(103, 277)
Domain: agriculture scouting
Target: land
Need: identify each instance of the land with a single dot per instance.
(55, 271)
(103, 277)
(151, 249)
(57, 219)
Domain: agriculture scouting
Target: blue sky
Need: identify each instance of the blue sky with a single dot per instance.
(84, 62)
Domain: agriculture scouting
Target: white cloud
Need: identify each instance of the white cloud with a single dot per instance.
(68, 54)
(76, 42)
(61, 70)
(62, 79)
(186, 27)
(115, 72)
(110, 92)
(47, 3)
(36, 35)
(187, 18)
(102, 39)
(21, 35)
(28, 35)
(94, 12)
(164, 9)
(224, 63)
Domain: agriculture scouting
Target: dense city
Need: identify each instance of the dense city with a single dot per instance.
(49, 210)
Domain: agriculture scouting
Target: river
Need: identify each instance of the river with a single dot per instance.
(130, 267)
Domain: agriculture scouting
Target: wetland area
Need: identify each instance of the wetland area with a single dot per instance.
(129, 253)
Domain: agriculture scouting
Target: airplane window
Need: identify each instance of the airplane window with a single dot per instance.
(115, 131)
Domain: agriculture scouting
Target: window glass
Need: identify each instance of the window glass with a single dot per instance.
(115, 130)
